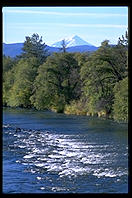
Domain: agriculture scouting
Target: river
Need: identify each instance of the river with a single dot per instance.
(58, 153)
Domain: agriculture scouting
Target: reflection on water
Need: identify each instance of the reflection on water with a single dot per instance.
(60, 153)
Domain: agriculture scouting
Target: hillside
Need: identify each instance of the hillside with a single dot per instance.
(15, 49)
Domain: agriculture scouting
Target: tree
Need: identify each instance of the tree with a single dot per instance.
(124, 40)
(24, 74)
(123, 50)
(63, 44)
(33, 47)
(105, 68)
(8, 63)
(8, 81)
(56, 82)
(115, 60)
(8, 77)
(98, 78)
(120, 106)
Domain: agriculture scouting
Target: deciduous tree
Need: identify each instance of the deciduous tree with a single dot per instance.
(56, 82)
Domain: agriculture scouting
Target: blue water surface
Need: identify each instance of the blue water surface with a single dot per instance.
(57, 153)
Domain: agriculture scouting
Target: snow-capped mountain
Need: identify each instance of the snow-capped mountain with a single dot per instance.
(70, 42)
(74, 44)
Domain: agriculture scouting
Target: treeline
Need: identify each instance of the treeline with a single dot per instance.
(74, 83)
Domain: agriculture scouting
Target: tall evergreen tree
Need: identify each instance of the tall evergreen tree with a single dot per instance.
(63, 46)
(33, 47)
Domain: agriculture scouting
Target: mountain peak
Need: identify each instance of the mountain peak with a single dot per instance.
(76, 37)
(73, 41)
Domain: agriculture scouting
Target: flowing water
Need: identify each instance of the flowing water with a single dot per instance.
(57, 153)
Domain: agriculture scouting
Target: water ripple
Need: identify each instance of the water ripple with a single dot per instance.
(65, 155)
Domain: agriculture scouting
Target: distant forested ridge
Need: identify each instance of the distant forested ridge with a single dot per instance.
(74, 83)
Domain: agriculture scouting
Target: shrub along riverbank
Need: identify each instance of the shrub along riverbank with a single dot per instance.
(74, 83)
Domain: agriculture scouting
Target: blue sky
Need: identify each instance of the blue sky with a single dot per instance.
(93, 24)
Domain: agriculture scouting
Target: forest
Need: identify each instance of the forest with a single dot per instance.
(92, 83)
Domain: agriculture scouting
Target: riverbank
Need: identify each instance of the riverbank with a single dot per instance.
(75, 110)
(80, 108)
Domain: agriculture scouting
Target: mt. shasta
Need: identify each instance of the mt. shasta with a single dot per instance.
(71, 42)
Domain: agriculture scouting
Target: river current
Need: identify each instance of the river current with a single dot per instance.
(57, 153)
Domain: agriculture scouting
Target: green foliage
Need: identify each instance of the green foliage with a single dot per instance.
(98, 81)
(24, 75)
(124, 40)
(75, 83)
(76, 107)
(8, 63)
(99, 74)
(56, 83)
(8, 77)
(8, 81)
(33, 47)
(120, 106)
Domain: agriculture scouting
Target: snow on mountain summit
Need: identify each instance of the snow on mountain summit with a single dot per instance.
(70, 42)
